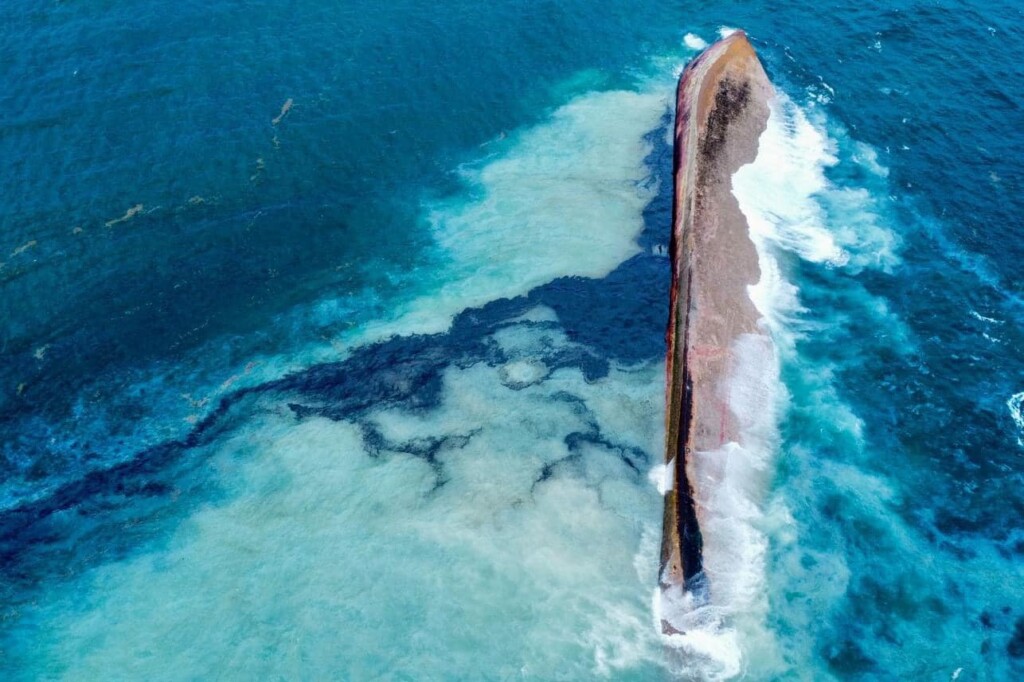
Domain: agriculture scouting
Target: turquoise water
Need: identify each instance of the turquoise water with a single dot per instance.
(375, 391)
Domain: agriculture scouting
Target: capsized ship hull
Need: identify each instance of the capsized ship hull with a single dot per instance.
(722, 107)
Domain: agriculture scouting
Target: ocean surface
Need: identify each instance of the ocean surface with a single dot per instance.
(332, 342)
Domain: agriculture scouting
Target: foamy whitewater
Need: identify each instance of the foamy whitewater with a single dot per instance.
(782, 195)
(1016, 406)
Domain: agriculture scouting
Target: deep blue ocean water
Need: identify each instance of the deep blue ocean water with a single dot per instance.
(373, 391)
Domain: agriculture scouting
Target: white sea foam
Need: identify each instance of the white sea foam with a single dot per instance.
(1016, 406)
(694, 41)
(663, 476)
(867, 155)
(982, 318)
(726, 31)
(539, 313)
(522, 373)
(789, 204)
(776, 191)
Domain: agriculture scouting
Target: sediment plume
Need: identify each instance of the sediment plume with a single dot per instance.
(722, 107)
